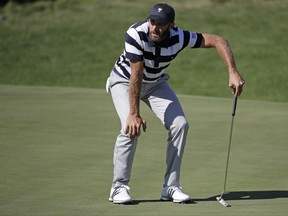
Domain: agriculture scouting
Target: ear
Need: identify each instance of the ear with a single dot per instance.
(172, 25)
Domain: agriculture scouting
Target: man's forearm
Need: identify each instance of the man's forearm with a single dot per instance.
(135, 87)
(223, 48)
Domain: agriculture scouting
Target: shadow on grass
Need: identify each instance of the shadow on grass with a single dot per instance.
(237, 195)
(137, 202)
(250, 195)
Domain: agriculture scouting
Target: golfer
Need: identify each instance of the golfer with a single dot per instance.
(140, 74)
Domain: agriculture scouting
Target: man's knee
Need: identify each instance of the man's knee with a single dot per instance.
(180, 123)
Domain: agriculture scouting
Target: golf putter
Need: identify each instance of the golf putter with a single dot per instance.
(219, 198)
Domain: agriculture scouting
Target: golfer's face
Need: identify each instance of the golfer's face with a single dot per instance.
(158, 31)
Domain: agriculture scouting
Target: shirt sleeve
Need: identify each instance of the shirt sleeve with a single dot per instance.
(192, 39)
(198, 41)
(133, 48)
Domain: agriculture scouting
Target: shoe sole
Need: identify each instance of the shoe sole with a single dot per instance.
(175, 200)
(182, 201)
(120, 201)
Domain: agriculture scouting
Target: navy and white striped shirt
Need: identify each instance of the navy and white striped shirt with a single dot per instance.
(157, 58)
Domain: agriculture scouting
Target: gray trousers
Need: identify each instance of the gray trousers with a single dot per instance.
(163, 102)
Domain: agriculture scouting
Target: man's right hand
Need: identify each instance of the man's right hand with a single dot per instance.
(133, 126)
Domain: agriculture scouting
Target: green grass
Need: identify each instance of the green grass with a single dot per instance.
(75, 43)
(57, 146)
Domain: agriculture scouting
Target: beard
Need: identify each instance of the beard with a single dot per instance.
(157, 36)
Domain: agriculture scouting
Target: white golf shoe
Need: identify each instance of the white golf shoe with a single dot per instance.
(120, 195)
(175, 194)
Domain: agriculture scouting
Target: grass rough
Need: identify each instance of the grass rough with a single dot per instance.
(75, 43)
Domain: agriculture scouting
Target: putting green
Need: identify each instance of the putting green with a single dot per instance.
(57, 146)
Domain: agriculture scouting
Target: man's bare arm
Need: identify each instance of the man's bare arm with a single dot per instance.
(134, 120)
(222, 46)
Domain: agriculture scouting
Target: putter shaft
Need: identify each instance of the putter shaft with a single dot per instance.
(228, 155)
(220, 199)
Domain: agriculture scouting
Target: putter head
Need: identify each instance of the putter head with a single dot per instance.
(222, 202)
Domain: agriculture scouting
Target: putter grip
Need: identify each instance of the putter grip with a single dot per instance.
(234, 106)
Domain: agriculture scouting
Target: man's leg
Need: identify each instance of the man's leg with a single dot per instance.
(124, 149)
(166, 106)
